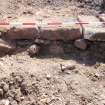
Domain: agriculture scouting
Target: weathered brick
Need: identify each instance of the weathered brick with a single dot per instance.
(22, 33)
(23, 28)
(60, 29)
(93, 29)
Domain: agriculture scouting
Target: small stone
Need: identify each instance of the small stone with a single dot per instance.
(81, 44)
(1, 34)
(23, 89)
(14, 102)
(22, 98)
(17, 95)
(33, 50)
(40, 41)
(2, 84)
(97, 65)
(67, 67)
(19, 79)
(102, 17)
(48, 77)
(1, 93)
(6, 88)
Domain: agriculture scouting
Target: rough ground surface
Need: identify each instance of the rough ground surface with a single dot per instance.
(14, 8)
(40, 80)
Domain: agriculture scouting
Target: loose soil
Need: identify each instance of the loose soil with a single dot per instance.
(40, 80)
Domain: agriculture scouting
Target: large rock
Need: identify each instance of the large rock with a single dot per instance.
(81, 44)
(23, 28)
(93, 29)
(6, 46)
(60, 29)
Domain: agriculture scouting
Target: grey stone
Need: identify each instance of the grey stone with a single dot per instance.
(81, 44)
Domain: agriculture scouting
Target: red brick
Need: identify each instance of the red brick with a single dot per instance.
(23, 28)
(22, 33)
(60, 29)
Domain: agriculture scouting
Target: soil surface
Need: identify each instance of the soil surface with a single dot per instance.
(41, 80)
(15, 8)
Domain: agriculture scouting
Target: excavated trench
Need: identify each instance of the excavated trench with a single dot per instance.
(53, 56)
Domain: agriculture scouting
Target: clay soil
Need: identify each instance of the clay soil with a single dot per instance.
(40, 80)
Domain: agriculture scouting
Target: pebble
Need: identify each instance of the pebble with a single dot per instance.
(48, 77)
(67, 67)
(5, 88)
(81, 44)
(1, 93)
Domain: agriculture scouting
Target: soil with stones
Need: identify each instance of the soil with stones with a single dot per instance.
(14, 8)
(75, 78)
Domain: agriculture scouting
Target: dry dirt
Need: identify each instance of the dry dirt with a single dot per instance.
(40, 80)
(15, 8)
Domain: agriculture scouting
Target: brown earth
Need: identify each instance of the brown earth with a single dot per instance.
(74, 77)
(15, 8)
